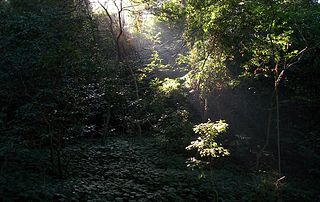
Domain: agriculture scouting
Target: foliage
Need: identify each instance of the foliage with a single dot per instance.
(53, 90)
(207, 71)
(220, 37)
(267, 37)
(126, 169)
(167, 86)
(206, 143)
(68, 85)
(171, 10)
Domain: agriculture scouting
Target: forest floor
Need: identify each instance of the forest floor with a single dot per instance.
(127, 169)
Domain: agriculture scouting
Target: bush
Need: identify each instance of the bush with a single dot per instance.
(206, 144)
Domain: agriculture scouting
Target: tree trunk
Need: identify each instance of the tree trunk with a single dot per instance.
(205, 110)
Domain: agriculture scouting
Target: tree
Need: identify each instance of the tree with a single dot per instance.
(225, 45)
(44, 70)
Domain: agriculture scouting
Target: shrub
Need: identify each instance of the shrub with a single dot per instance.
(206, 144)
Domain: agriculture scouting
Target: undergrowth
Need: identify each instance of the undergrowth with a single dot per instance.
(125, 169)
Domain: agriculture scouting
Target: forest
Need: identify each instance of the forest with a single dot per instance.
(160, 100)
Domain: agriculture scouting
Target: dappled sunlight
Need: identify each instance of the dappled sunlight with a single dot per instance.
(167, 86)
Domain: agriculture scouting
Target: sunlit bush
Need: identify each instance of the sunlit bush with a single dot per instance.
(166, 86)
(207, 144)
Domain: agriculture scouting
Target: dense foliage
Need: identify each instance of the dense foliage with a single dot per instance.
(94, 110)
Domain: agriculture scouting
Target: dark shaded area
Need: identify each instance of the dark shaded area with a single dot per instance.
(86, 115)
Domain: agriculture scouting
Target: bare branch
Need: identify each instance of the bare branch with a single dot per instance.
(299, 55)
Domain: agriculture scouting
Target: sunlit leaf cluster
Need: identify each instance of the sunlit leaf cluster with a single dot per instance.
(207, 144)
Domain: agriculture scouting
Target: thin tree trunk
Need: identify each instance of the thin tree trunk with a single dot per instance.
(278, 131)
(205, 109)
(117, 39)
(137, 95)
(259, 154)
